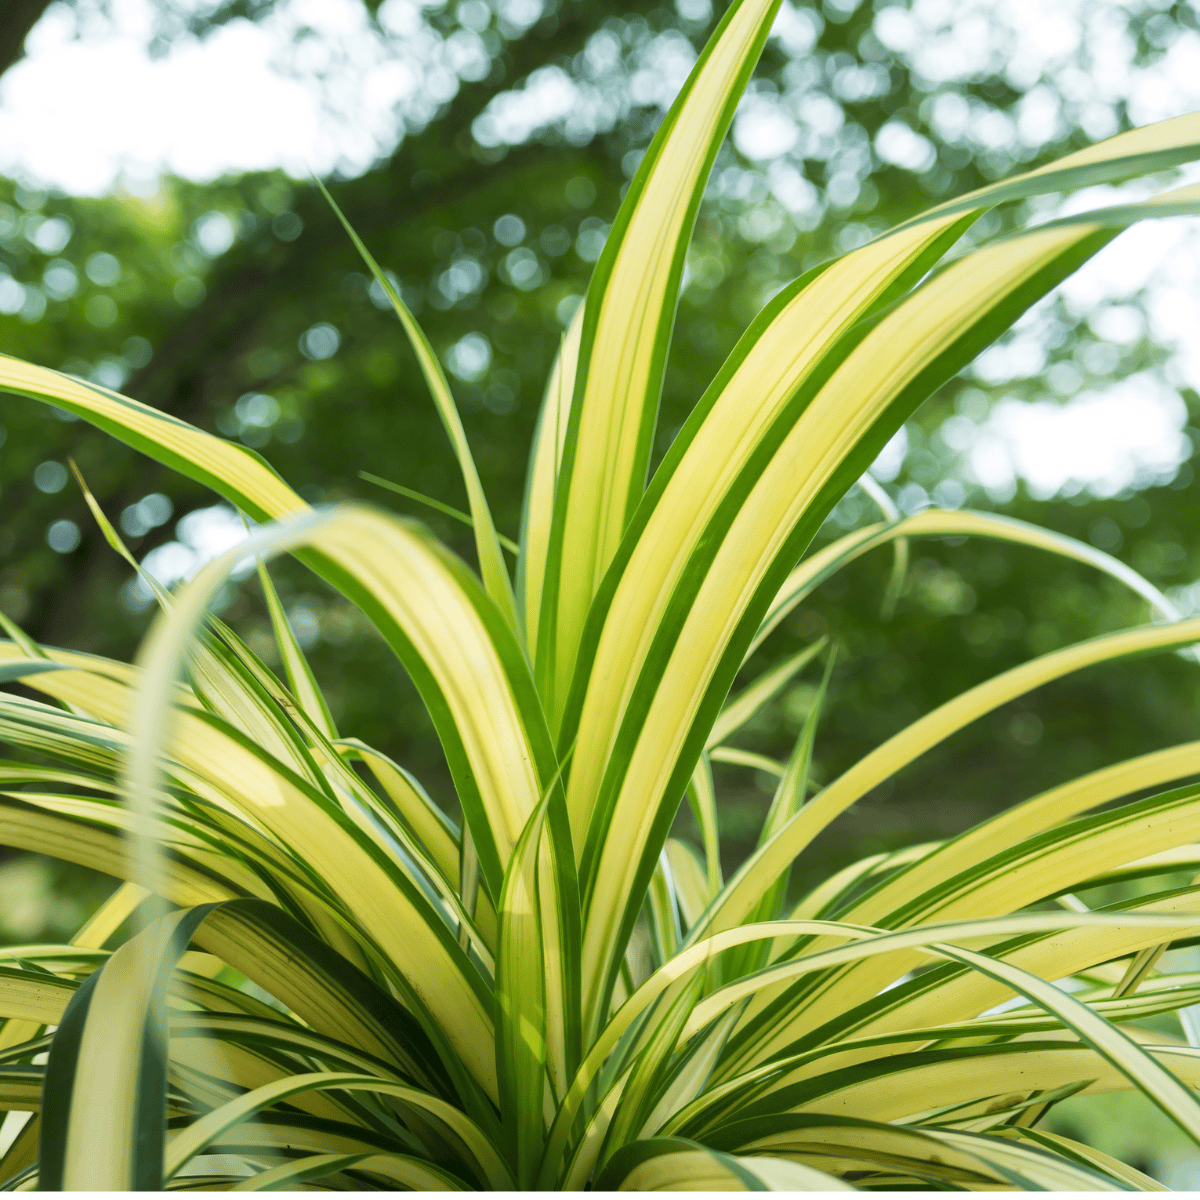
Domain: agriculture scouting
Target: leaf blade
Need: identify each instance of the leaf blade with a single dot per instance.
(626, 331)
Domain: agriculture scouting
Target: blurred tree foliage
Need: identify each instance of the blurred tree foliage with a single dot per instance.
(240, 306)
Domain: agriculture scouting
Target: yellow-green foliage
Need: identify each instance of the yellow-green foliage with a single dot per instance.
(559, 994)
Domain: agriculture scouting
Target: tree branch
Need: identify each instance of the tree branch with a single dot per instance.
(20, 16)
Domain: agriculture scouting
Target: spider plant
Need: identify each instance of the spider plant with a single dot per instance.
(557, 993)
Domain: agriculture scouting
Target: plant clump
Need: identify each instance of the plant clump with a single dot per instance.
(557, 992)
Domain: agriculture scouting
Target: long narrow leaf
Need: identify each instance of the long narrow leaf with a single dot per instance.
(487, 544)
(627, 324)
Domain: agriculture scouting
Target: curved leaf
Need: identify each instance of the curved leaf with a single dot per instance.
(626, 331)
